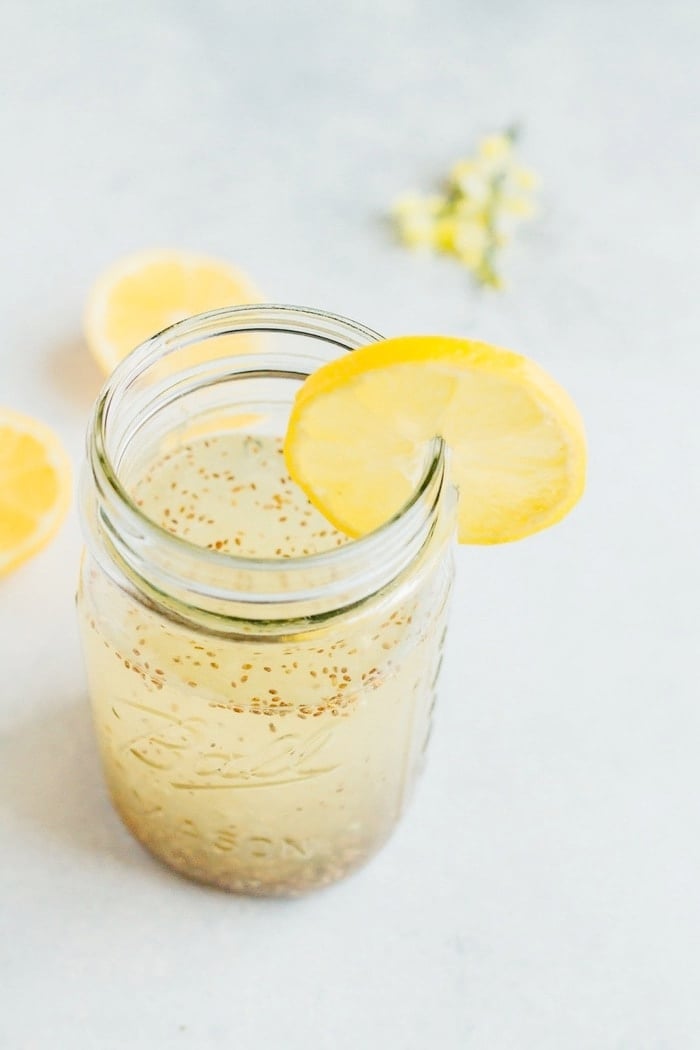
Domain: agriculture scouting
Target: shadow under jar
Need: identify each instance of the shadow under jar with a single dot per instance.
(261, 685)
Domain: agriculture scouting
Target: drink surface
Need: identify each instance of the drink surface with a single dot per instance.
(265, 765)
(231, 492)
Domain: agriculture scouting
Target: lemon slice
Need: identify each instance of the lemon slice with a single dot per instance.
(358, 430)
(145, 293)
(35, 487)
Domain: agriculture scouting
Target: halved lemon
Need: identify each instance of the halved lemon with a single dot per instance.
(143, 294)
(35, 487)
(358, 430)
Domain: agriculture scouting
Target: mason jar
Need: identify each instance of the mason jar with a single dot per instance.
(261, 686)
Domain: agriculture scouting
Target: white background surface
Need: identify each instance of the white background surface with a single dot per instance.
(543, 890)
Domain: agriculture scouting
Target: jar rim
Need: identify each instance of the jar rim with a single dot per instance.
(124, 521)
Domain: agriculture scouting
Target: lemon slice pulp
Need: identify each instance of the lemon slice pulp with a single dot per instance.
(142, 294)
(357, 433)
(35, 487)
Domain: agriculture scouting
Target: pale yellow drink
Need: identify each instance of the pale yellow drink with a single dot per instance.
(263, 763)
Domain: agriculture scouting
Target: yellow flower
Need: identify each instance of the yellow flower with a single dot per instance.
(471, 242)
(484, 199)
(415, 218)
(445, 233)
(411, 203)
(463, 169)
(471, 180)
(417, 232)
(469, 210)
(503, 227)
(495, 148)
(517, 204)
(525, 178)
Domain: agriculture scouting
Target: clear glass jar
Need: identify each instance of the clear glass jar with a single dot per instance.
(261, 720)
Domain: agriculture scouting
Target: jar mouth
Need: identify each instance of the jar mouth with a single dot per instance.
(214, 579)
